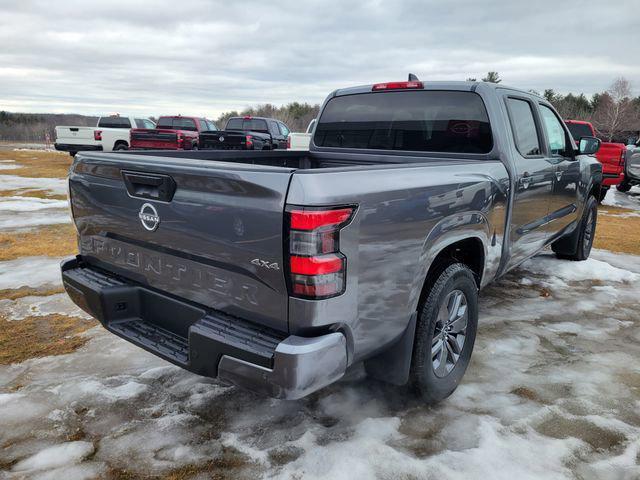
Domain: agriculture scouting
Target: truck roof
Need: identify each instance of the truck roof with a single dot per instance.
(436, 85)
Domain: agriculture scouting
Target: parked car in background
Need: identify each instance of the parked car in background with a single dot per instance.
(171, 133)
(111, 133)
(277, 271)
(300, 141)
(632, 168)
(610, 155)
(247, 133)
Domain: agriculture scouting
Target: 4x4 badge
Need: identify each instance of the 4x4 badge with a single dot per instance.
(265, 264)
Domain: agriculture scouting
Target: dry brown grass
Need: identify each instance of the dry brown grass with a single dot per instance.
(34, 337)
(618, 234)
(50, 240)
(38, 164)
(15, 293)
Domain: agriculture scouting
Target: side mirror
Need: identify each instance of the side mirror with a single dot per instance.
(589, 145)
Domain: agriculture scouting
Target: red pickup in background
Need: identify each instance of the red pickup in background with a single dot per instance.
(171, 133)
(610, 155)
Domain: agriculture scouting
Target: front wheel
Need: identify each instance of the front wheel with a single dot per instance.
(624, 187)
(586, 234)
(603, 193)
(445, 334)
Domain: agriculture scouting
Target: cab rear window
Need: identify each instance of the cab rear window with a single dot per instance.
(422, 121)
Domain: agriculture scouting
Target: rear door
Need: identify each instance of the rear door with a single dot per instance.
(558, 148)
(210, 233)
(534, 180)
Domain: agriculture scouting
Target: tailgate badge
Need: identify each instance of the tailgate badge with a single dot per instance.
(221, 138)
(149, 217)
(265, 264)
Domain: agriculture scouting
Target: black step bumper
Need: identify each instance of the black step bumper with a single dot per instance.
(69, 147)
(203, 341)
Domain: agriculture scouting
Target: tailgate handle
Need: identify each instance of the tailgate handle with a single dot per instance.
(147, 185)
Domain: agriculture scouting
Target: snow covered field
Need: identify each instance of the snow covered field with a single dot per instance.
(553, 391)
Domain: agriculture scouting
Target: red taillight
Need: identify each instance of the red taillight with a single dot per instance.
(397, 86)
(317, 268)
(288, 142)
(97, 134)
(311, 219)
(623, 155)
(248, 140)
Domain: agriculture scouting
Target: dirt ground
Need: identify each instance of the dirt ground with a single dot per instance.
(553, 390)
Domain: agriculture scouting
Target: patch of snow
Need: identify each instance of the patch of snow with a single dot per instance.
(30, 272)
(56, 186)
(30, 204)
(9, 166)
(590, 269)
(38, 306)
(630, 199)
(20, 221)
(56, 456)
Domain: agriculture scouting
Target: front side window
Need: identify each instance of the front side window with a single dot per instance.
(177, 123)
(284, 129)
(555, 133)
(524, 127)
(579, 130)
(203, 125)
(144, 123)
(423, 121)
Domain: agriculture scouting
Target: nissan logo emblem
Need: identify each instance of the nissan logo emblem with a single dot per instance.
(221, 138)
(149, 217)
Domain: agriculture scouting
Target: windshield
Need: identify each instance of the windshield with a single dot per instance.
(253, 124)
(579, 130)
(424, 121)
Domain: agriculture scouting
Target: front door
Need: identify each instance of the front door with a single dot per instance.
(533, 181)
(563, 208)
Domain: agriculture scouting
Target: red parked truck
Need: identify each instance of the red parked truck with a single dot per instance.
(610, 155)
(171, 133)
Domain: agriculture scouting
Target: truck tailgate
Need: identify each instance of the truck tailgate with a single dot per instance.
(74, 135)
(217, 241)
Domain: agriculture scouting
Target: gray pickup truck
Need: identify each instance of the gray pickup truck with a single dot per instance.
(279, 271)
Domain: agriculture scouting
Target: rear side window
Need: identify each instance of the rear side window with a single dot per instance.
(424, 121)
(555, 133)
(524, 127)
(114, 122)
(203, 125)
(144, 123)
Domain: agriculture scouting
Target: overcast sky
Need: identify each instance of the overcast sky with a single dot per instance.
(203, 57)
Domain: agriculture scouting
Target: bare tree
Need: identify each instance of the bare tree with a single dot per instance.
(492, 77)
(614, 110)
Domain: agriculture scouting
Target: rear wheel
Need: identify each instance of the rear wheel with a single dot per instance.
(624, 187)
(73, 154)
(121, 146)
(194, 146)
(586, 234)
(445, 334)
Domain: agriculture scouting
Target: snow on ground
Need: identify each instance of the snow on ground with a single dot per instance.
(38, 306)
(630, 200)
(57, 186)
(30, 272)
(18, 212)
(553, 392)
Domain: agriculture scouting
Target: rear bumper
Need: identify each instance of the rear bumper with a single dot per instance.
(69, 147)
(204, 341)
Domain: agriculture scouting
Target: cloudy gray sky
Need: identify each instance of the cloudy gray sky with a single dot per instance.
(204, 57)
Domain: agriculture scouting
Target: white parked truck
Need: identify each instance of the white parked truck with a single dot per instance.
(300, 141)
(111, 133)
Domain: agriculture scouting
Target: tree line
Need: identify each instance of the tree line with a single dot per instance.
(615, 114)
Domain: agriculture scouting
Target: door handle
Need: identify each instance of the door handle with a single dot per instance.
(525, 180)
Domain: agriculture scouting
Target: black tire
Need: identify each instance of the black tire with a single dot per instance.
(623, 187)
(194, 146)
(603, 193)
(581, 249)
(120, 146)
(73, 154)
(433, 378)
